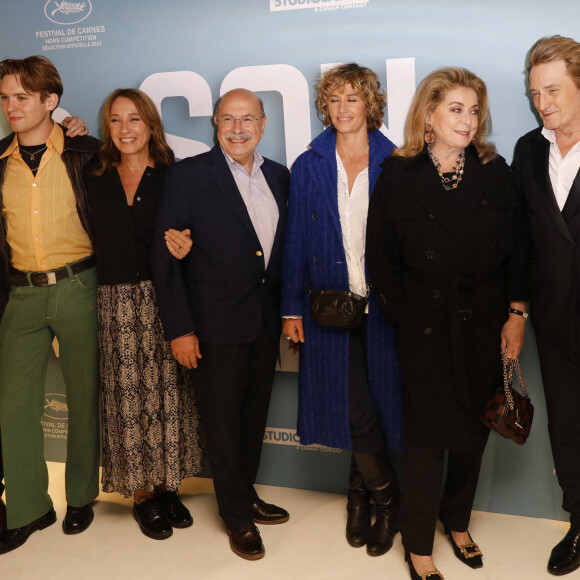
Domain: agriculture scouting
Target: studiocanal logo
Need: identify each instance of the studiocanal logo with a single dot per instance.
(279, 436)
(55, 406)
(316, 5)
(64, 12)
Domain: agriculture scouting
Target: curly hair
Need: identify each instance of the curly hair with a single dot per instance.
(551, 48)
(364, 82)
(159, 150)
(431, 93)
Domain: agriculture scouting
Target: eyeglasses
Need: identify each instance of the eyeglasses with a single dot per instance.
(247, 121)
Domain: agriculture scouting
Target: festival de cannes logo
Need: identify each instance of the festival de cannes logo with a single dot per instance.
(55, 406)
(65, 12)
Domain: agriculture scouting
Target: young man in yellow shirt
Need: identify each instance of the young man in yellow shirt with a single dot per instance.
(45, 242)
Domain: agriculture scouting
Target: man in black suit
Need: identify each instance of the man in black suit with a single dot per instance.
(546, 167)
(220, 306)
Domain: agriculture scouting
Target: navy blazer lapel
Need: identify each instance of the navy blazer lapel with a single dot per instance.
(280, 193)
(540, 162)
(226, 183)
(276, 188)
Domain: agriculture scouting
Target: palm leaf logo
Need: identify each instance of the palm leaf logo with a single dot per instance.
(68, 7)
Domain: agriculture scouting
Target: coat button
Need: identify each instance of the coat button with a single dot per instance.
(430, 254)
(428, 330)
(484, 202)
(436, 293)
(316, 259)
(492, 245)
(314, 217)
(258, 253)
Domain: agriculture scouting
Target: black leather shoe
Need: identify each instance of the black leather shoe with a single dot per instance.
(469, 554)
(268, 513)
(151, 519)
(173, 510)
(565, 556)
(358, 508)
(12, 539)
(2, 517)
(435, 575)
(77, 520)
(246, 542)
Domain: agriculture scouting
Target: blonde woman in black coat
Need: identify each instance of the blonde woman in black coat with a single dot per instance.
(445, 253)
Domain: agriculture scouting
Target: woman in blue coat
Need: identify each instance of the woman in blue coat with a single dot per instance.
(349, 386)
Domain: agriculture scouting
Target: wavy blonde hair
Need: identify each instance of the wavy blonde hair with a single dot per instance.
(364, 82)
(159, 150)
(430, 94)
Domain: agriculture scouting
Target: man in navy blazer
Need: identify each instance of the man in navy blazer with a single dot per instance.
(546, 167)
(220, 305)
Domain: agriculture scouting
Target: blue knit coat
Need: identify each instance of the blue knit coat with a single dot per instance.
(314, 253)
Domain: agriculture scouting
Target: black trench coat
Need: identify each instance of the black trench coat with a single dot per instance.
(446, 264)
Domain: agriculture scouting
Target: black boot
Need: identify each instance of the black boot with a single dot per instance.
(381, 481)
(358, 507)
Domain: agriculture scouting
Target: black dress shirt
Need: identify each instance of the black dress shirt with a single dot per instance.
(123, 233)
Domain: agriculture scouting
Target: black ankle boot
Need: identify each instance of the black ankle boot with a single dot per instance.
(381, 481)
(358, 507)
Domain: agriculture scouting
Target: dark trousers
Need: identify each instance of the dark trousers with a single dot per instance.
(365, 431)
(3, 302)
(561, 377)
(423, 501)
(234, 383)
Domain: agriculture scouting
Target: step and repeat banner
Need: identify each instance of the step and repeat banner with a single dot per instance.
(186, 53)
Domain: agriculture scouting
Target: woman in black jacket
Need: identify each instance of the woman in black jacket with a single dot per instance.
(445, 251)
(150, 425)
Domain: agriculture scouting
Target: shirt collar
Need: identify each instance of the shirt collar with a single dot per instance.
(235, 166)
(550, 136)
(55, 141)
(10, 150)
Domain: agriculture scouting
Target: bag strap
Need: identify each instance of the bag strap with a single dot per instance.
(508, 368)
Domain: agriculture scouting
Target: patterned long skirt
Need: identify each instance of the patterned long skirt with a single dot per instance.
(150, 424)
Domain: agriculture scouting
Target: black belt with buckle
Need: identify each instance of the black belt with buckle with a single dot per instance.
(18, 278)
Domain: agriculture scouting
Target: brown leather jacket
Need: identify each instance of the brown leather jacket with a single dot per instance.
(76, 154)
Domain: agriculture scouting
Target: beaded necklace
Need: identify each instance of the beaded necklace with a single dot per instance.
(457, 170)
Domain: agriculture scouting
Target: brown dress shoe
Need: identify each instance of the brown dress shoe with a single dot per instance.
(246, 542)
(268, 513)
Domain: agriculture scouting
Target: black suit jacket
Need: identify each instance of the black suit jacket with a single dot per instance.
(222, 290)
(554, 239)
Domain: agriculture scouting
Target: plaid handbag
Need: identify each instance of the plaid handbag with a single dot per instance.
(507, 412)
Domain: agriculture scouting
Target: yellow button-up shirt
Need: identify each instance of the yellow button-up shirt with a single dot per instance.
(43, 228)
